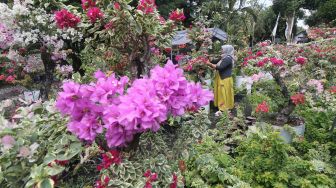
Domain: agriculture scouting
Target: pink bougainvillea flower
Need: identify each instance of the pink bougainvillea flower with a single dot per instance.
(147, 6)
(162, 20)
(262, 107)
(150, 177)
(2, 77)
(179, 57)
(86, 4)
(298, 98)
(116, 6)
(102, 183)
(277, 62)
(94, 14)
(65, 19)
(109, 158)
(175, 181)
(260, 64)
(259, 53)
(8, 141)
(177, 15)
(333, 89)
(10, 79)
(105, 106)
(317, 84)
(109, 25)
(301, 60)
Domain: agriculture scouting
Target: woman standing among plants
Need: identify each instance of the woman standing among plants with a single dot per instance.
(223, 83)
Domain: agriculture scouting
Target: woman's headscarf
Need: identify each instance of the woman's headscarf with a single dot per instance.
(228, 50)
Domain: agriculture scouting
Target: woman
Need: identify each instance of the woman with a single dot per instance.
(223, 91)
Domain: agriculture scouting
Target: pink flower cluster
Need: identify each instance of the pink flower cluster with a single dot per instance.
(262, 107)
(301, 60)
(150, 177)
(177, 15)
(145, 105)
(277, 62)
(6, 36)
(65, 19)
(298, 98)
(147, 6)
(317, 84)
(257, 77)
(94, 14)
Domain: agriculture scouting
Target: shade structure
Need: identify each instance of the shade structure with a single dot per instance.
(182, 37)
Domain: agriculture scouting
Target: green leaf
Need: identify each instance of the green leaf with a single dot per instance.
(54, 170)
(46, 183)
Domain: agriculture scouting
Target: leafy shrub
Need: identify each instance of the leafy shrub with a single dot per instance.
(36, 146)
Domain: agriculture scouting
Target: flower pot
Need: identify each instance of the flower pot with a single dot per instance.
(240, 80)
(287, 136)
(284, 133)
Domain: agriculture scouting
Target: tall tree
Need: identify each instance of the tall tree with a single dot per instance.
(290, 11)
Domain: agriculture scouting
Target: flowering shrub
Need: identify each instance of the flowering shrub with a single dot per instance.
(292, 69)
(65, 19)
(94, 14)
(321, 33)
(35, 147)
(147, 6)
(145, 105)
(177, 15)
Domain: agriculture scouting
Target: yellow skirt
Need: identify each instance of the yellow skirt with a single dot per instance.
(224, 97)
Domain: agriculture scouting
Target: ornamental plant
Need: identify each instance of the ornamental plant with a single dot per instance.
(35, 148)
(106, 107)
(297, 70)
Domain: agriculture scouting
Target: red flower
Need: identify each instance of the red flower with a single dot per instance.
(332, 89)
(116, 6)
(259, 53)
(162, 20)
(10, 70)
(298, 98)
(88, 3)
(177, 15)
(2, 77)
(151, 177)
(104, 183)
(260, 64)
(301, 60)
(65, 19)
(109, 158)
(276, 61)
(109, 25)
(10, 79)
(174, 183)
(148, 184)
(94, 13)
(262, 107)
(147, 6)
(168, 50)
(147, 173)
(179, 57)
(62, 163)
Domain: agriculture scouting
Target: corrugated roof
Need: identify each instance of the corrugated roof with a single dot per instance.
(181, 37)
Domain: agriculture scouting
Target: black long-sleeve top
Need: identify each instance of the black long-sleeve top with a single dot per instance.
(225, 67)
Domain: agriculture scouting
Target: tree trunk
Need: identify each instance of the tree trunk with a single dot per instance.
(49, 68)
(76, 63)
(283, 117)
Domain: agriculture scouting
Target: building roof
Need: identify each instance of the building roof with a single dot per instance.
(181, 37)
